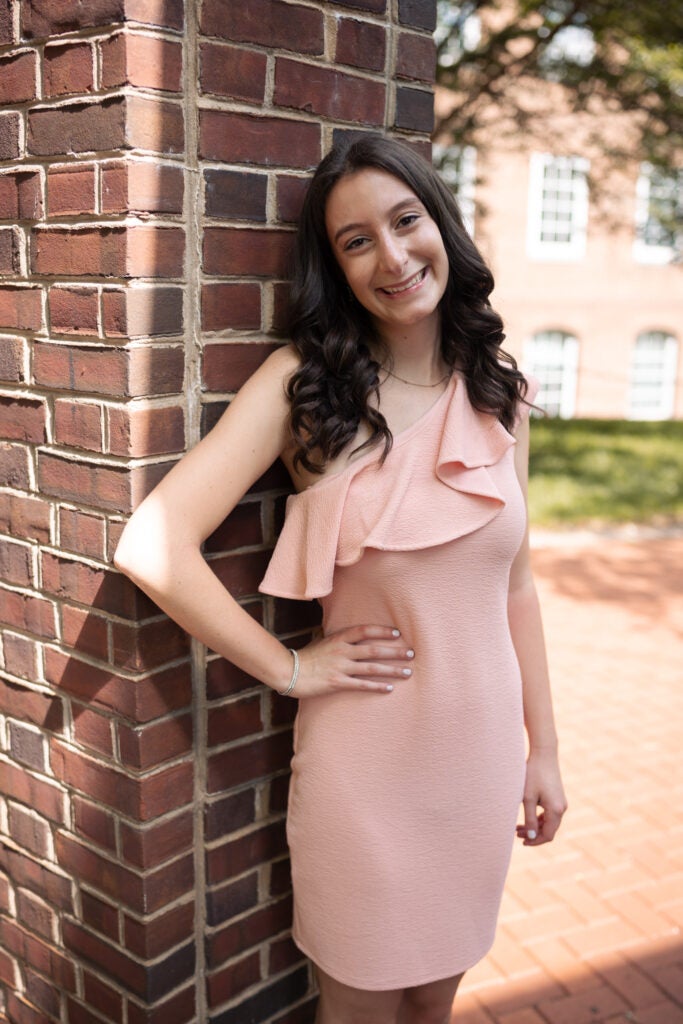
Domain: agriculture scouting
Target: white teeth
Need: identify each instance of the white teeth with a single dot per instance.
(409, 284)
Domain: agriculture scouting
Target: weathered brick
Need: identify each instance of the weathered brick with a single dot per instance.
(235, 195)
(235, 977)
(149, 62)
(6, 22)
(231, 899)
(227, 366)
(418, 14)
(103, 998)
(233, 72)
(68, 68)
(151, 846)
(249, 931)
(374, 6)
(271, 23)
(11, 247)
(27, 745)
(16, 563)
(13, 358)
(142, 186)
(139, 647)
(416, 57)
(93, 730)
(234, 721)
(47, 798)
(98, 485)
(248, 761)
(164, 13)
(235, 306)
(71, 189)
(414, 109)
(141, 311)
(46, 958)
(134, 372)
(46, 18)
(14, 466)
(152, 938)
(266, 141)
(21, 659)
(361, 44)
(290, 196)
(252, 252)
(78, 424)
(18, 77)
(99, 914)
(21, 308)
(138, 430)
(78, 127)
(154, 124)
(20, 195)
(35, 615)
(29, 830)
(84, 631)
(179, 1008)
(229, 813)
(137, 251)
(73, 310)
(10, 135)
(81, 532)
(23, 419)
(36, 915)
(321, 90)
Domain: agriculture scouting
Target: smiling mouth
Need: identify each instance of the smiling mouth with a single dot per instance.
(414, 280)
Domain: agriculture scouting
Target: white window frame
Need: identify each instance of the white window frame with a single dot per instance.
(654, 375)
(457, 166)
(569, 200)
(649, 180)
(541, 361)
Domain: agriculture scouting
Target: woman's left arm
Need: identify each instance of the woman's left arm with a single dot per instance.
(543, 786)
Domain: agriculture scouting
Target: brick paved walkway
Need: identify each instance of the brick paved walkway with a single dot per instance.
(590, 930)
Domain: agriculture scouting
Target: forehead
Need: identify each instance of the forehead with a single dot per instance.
(365, 193)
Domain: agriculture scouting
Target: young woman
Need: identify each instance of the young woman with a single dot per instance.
(405, 431)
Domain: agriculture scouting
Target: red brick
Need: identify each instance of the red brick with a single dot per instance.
(254, 252)
(100, 915)
(138, 647)
(21, 308)
(223, 679)
(414, 109)
(109, 252)
(149, 847)
(36, 915)
(71, 189)
(229, 981)
(140, 186)
(259, 846)
(18, 77)
(416, 57)
(48, 18)
(116, 372)
(282, 954)
(13, 359)
(229, 813)
(94, 823)
(235, 195)
(361, 44)
(241, 528)
(137, 431)
(93, 731)
(266, 141)
(42, 994)
(227, 366)
(28, 612)
(27, 745)
(129, 58)
(249, 931)
(417, 14)
(154, 124)
(68, 68)
(16, 563)
(231, 306)
(21, 658)
(141, 701)
(142, 311)
(6, 22)
(81, 532)
(73, 310)
(232, 72)
(180, 1008)
(42, 880)
(271, 23)
(281, 307)
(42, 795)
(151, 745)
(21, 1012)
(98, 871)
(248, 761)
(102, 998)
(14, 466)
(102, 486)
(20, 195)
(25, 518)
(234, 721)
(78, 424)
(11, 247)
(78, 127)
(28, 830)
(164, 13)
(234, 897)
(10, 136)
(152, 938)
(71, 580)
(321, 90)
(31, 706)
(23, 419)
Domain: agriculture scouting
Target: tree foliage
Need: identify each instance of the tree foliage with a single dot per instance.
(609, 56)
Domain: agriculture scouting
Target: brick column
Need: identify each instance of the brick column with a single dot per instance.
(152, 160)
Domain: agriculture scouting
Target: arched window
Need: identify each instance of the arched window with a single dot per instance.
(653, 376)
(553, 358)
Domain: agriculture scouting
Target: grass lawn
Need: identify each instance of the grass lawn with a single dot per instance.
(605, 471)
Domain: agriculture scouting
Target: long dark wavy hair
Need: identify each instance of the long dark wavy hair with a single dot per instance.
(332, 332)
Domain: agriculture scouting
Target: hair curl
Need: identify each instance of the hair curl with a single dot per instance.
(331, 389)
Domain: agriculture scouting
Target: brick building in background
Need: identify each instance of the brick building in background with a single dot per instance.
(153, 155)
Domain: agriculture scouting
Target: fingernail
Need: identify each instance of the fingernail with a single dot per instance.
(396, 632)
(531, 833)
(407, 671)
(389, 689)
(410, 654)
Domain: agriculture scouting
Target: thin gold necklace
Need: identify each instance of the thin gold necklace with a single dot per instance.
(414, 383)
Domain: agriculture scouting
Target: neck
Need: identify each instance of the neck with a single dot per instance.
(413, 353)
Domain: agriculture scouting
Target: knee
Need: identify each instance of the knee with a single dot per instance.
(429, 1013)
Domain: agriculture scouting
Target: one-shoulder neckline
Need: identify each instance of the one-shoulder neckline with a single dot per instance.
(397, 440)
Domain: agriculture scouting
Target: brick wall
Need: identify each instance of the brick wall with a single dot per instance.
(153, 156)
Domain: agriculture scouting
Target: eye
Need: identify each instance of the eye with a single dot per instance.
(407, 219)
(355, 243)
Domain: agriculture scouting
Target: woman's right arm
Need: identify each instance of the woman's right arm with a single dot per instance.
(160, 550)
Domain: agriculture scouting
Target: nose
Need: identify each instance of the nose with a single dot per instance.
(392, 256)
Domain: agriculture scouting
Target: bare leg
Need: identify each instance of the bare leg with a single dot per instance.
(429, 1004)
(342, 1004)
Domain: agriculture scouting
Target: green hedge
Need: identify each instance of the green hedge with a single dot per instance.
(605, 471)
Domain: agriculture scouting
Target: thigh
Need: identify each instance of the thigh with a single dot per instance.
(342, 1004)
(429, 1002)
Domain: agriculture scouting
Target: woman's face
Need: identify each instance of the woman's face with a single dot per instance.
(388, 247)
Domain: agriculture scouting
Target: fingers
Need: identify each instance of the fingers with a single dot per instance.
(539, 828)
(531, 828)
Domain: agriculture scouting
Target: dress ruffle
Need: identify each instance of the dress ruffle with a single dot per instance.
(422, 496)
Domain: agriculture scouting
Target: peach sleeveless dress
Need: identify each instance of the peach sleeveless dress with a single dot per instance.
(402, 807)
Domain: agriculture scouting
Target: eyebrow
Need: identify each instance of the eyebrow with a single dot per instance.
(394, 209)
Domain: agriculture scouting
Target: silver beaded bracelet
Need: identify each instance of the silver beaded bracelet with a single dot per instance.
(295, 673)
